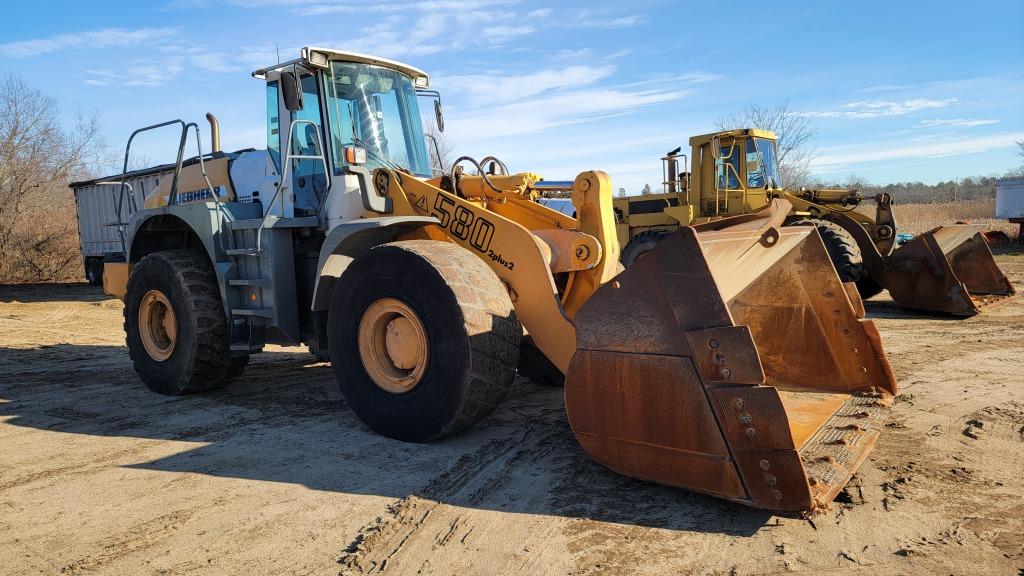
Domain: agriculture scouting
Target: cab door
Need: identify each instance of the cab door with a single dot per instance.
(308, 180)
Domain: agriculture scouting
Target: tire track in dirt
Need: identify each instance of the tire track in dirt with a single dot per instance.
(949, 470)
(449, 513)
(134, 539)
(514, 494)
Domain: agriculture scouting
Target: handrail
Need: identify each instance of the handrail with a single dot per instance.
(172, 198)
(287, 162)
(124, 170)
(672, 180)
(725, 177)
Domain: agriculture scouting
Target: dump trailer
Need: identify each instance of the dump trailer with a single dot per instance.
(949, 269)
(99, 208)
(730, 361)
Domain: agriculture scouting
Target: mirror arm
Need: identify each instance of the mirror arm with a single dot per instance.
(438, 113)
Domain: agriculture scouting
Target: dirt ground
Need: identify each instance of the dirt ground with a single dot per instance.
(274, 474)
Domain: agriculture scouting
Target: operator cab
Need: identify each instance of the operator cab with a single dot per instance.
(332, 117)
(734, 172)
(747, 159)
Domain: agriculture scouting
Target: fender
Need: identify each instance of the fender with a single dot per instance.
(205, 226)
(348, 241)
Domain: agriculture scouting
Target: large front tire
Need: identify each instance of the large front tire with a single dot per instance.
(423, 339)
(174, 323)
(841, 247)
(641, 244)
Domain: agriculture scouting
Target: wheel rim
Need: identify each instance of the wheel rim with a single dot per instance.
(158, 326)
(393, 345)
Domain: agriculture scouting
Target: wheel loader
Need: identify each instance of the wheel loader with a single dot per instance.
(732, 360)
(949, 269)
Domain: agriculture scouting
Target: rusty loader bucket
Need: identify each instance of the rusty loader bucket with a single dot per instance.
(732, 362)
(949, 269)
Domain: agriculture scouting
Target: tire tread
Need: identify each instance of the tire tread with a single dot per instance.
(212, 365)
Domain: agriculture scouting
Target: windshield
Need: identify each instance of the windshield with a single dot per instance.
(375, 108)
(762, 164)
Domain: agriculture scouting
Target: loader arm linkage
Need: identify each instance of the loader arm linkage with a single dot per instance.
(522, 258)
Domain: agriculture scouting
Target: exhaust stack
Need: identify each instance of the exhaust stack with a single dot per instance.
(214, 132)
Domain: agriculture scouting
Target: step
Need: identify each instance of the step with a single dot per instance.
(254, 282)
(243, 252)
(275, 222)
(245, 348)
(259, 312)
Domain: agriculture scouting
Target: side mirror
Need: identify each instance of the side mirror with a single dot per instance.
(439, 115)
(716, 147)
(291, 87)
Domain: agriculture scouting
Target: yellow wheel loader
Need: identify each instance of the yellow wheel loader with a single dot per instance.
(949, 269)
(731, 360)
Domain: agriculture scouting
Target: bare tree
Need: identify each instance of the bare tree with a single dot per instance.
(794, 134)
(445, 147)
(646, 190)
(1020, 148)
(38, 158)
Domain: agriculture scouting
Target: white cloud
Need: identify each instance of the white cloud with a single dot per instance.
(488, 89)
(303, 8)
(106, 37)
(497, 35)
(214, 62)
(573, 54)
(491, 107)
(503, 104)
(138, 74)
(396, 35)
(886, 88)
(844, 156)
(560, 109)
(957, 122)
(698, 77)
(879, 108)
(603, 19)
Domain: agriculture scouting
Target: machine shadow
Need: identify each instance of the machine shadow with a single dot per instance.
(285, 421)
(51, 292)
(885, 308)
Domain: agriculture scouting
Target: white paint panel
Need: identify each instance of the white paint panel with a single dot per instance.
(1010, 198)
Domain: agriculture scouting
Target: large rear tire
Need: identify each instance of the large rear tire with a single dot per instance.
(423, 339)
(868, 287)
(94, 271)
(641, 244)
(175, 327)
(842, 248)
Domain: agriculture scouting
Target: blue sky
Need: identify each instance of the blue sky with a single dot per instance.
(896, 90)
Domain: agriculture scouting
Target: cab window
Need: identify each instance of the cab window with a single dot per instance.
(273, 125)
(375, 109)
(770, 162)
(755, 171)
